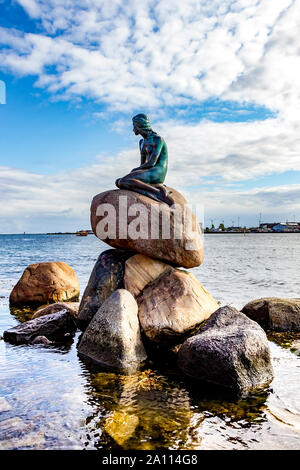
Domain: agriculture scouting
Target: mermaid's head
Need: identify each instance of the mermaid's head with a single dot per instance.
(141, 122)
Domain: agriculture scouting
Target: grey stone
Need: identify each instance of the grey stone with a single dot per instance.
(230, 351)
(106, 277)
(113, 337)
(53, 326)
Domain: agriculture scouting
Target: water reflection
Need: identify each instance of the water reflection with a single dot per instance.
(153, 409)
(145, 410)
(22, 314)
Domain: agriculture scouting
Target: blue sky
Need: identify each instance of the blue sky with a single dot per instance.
(218, 79)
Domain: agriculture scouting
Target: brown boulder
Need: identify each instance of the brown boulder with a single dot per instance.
(43, 283)
(173, 306)
(140, 270)
(71, 307)
(274, 313)
(143, 228)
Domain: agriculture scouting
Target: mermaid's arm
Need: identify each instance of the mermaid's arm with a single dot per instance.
(143, 156)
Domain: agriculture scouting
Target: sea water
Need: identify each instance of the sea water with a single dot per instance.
(59, 402)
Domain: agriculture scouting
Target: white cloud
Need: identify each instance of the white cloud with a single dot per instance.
(156, 53)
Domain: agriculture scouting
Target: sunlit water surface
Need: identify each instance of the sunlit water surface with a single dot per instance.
(58, 402)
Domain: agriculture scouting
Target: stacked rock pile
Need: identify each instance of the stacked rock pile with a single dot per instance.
(141, 302)
(139, 299)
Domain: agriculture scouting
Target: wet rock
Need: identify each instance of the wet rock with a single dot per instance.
(230, 351)
(53, 326)
(4, 405)
(173, 306)
(146, 231)
(41, 340)
(140, 270)
(106, 277)
(43, 283)
(275, 314)
(113, 338)
(71, 307)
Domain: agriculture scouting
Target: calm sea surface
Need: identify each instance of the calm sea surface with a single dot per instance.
(59, 402)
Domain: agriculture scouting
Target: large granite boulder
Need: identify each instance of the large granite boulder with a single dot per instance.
(43, 283)
(275, 314)
(71, 307)
(129, 220)
(113, 337)
(173, 305)
(106, 277)
(54, 326)
(140, 270)
(230, 351)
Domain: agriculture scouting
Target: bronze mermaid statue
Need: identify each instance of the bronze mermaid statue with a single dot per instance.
(148, 178)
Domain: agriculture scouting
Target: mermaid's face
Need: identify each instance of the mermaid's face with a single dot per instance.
(136, 129)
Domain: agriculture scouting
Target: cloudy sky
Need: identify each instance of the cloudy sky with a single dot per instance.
(219, 80)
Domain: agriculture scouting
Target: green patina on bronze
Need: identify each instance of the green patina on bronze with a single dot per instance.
(148, 178)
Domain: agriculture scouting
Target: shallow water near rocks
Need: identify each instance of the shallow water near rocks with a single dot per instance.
(57, 401)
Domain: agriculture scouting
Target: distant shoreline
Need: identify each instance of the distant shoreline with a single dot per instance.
(205, 233)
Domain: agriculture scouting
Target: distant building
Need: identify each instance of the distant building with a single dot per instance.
(281, 227)
(287, 227)
(268, 227)
(234, 229)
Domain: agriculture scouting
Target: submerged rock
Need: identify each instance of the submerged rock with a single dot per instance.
(4, 405)
(121, 425)
(41, 340)
(43, 283)
(71, 307)
(274, 313)
(230, 351)
(178, 241)
(295, 347)
(54, 326)
(34, 440)
(140, 270)
(106, 277)
(113, 337)
(174, 305)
